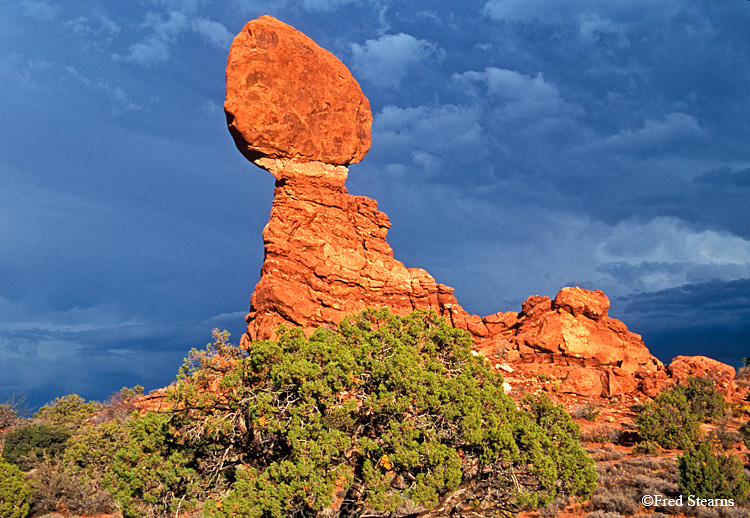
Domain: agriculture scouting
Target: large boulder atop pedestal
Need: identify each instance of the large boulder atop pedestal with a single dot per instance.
(288, 98)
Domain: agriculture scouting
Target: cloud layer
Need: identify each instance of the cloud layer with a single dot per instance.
(518, 147)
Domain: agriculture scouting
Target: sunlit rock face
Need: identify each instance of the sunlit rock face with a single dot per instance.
(287, 98)
(327, 257)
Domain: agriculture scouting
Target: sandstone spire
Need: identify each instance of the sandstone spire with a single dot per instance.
(295, 110)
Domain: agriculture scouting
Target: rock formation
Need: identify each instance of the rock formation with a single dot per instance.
(683, 367)
(327, 257)
(295, 110)
(595, 354)
(289, 98)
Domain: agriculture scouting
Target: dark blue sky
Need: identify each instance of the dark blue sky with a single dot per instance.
(519, 146)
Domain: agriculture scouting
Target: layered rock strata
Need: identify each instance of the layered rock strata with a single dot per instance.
(326, 257)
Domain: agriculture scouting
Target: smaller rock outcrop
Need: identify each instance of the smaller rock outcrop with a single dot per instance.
(572, 329)
(594, 354)
(683, 367)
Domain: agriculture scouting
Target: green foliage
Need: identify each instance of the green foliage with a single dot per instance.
(128, 392)
(575, 470)
(672, 419)
(14, 494)
(668, 421)
(27, 444)
(706, 403)
(745, 433)
(383, 412)
(706, 474)
(69, 411)
(149, 472)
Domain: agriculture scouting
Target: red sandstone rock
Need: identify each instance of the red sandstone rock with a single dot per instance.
(288, 98)
(616, 382)
(577, 301)
(571, 332)
(723, 375)
(583, 382)
(327, 257)
(563, 329)
(652, 383)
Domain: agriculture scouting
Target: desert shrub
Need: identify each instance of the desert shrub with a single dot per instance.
(589, 411)
(119, 406)
(651, 485)
(8, 416)
(605, 453)
(672, 419)
(150, 473)
(602, 434)
(14, 494)
(745, 434)
(69, 411)
(619, 501)
(555, 507)
(724, 436)
(575, 469)
(91, 450)
(27, 444)
(706, 474)
(603, 514)
(55, 486)
(669, 421)
(138, 461)
(648, 447)
(706, 403)
(382, 412)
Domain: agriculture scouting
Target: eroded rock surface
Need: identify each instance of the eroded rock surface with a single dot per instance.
(683, 367)
(327, 257)
(574, 333)
(288, 98)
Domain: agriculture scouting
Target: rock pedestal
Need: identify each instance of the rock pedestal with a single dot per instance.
(327, 257)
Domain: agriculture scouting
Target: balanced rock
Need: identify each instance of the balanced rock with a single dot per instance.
(287, 98)
(295, 110)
